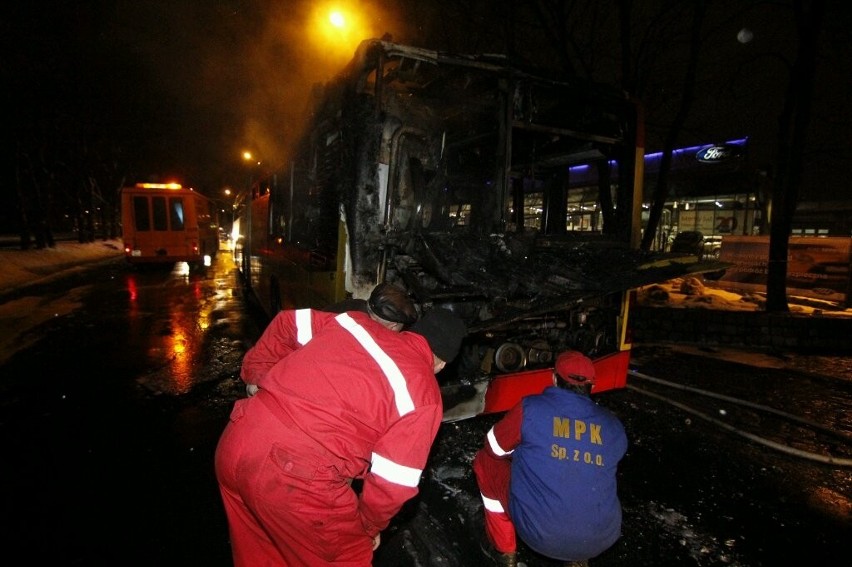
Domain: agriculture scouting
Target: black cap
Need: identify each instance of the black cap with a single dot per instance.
(443, 330)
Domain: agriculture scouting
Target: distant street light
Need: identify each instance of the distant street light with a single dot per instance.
(253, 164)
(248, 157)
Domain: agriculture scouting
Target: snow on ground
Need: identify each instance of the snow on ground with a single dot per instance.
(24, 267)
(692, 292)
(21, 267)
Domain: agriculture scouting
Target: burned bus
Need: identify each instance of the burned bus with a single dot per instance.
(460, 178)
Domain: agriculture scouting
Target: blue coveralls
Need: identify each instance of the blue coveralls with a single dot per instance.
(548, 471)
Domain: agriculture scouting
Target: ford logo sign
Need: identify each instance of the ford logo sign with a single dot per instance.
(716, 154)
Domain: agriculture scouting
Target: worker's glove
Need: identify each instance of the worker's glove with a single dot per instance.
(251, 389)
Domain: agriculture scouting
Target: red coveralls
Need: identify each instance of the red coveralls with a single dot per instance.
(341, 397)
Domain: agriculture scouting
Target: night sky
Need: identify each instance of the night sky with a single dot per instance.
(179, 88)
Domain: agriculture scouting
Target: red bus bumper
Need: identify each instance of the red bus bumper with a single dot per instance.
(506, 390)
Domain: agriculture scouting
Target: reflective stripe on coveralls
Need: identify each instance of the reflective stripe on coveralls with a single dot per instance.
(492, 505)
(381, 466)
(394, 472)
(389, 368)
(304, 330)
(495, 446)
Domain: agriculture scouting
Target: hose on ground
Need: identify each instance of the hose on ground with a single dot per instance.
(789, 416)
(829, 459)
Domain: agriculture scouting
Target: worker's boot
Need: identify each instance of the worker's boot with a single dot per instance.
(499, 558)
(503, 559)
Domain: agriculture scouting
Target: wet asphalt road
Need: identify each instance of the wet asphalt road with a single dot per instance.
(110, 412)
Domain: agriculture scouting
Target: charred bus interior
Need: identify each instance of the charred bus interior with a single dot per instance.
(455, 177)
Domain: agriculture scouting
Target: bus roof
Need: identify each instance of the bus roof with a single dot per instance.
(159, 186)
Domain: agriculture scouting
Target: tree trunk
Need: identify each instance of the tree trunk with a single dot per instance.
(661, 191)
(793, 126)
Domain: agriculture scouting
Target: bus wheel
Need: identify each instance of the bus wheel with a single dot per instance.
(274, 297)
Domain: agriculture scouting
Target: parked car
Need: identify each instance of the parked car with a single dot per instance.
(689, 242)
(712, 246)
(694, 242)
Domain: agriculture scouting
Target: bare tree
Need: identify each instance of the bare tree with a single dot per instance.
(661, 189)
(793, 127)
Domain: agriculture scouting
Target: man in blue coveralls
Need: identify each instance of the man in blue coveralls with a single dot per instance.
(548, 471)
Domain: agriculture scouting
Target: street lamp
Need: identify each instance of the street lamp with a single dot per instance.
(338, 31)
(243, 198)
(337, 19)
(249, 158)
(251, 161)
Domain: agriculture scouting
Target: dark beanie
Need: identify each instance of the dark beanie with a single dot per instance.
(444, 332)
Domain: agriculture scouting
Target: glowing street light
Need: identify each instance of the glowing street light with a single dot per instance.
(336, 19)
(248, 157)
(337, 30)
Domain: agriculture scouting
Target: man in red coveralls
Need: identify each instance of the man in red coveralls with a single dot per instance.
(548, 471)
(351, 399)
(387, 304)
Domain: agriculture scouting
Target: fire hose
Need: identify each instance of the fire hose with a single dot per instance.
(829, 459)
